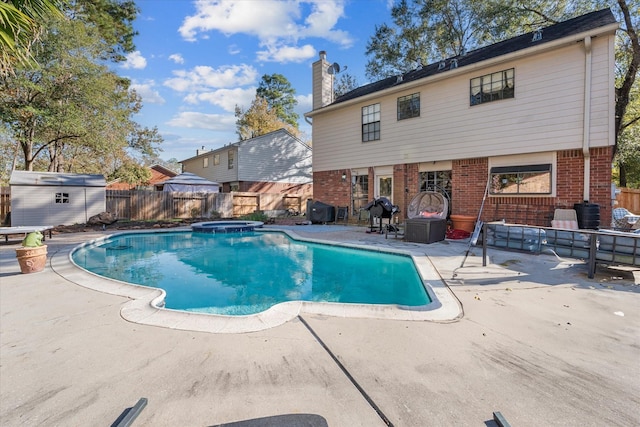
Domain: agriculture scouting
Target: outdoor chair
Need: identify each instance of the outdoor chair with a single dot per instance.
(623, 220)
(565, 218)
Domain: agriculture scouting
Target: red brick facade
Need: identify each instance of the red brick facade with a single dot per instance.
(469, 180)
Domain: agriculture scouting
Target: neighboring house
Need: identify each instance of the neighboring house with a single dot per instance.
(531, 118)
(277, 162)
(50, 198)
(159, 174)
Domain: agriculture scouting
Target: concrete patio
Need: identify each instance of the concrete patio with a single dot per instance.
(538, 341)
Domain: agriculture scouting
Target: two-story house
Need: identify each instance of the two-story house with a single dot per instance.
(276, 162)
(528, 121)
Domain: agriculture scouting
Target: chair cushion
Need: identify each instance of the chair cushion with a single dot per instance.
(563, 223)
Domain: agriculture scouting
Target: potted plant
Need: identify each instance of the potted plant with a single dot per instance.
(32, 256)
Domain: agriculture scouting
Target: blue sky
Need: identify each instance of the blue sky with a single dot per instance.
(195, 60)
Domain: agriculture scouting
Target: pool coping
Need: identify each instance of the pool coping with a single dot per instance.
(145, 305)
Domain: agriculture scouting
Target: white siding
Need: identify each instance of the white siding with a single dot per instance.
(545, 115)
(36, 205)
(216, 173)
(275, 157)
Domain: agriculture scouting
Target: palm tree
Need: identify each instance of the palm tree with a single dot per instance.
(20, 25)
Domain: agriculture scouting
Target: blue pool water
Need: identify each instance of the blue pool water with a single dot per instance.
(246, 273)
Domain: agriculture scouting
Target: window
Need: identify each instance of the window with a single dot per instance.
(216, 159)
(234, 186)
(205, 162)
(438, 181)
(360, 193)
(492, 87)
(515, 180)
(409, 106)
(371, 122)
(231, 159)
(62, 197)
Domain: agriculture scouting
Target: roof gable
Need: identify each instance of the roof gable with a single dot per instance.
(271, 135)
(580, 24)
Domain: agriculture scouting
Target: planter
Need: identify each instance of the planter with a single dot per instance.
(463, 222)
(32, 259)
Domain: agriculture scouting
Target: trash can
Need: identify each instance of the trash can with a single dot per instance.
(588, 215)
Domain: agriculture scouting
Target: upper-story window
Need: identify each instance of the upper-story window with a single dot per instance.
(409, 106)
(205, 162)
(492, 87)
(231, 159)
(371, 122)
(216, 159)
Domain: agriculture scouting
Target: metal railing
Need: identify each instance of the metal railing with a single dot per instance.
(595, 246)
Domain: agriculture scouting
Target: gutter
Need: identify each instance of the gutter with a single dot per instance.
(586, 130)
(471, 67)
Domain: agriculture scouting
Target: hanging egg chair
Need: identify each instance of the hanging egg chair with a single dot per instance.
(428, 204)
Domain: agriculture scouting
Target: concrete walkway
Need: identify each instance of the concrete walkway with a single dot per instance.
(538, 342)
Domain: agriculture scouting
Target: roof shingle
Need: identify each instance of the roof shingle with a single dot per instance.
(558, 31)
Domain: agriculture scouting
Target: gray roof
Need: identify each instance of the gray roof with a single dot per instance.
(580, 24)
(188, 178)
(56, 179)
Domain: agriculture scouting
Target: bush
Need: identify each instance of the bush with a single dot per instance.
(255, 216)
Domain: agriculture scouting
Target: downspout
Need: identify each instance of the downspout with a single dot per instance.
(587, 119)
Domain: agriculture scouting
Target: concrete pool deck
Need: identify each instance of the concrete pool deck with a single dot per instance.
(539, 342)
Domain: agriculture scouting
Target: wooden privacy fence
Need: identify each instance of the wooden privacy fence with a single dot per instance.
(156, 205)
(629, 198)
(5, 202)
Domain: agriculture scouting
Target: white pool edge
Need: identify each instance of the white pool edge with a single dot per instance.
(146, 303)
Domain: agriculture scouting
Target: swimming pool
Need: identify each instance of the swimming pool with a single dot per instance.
(250, 272)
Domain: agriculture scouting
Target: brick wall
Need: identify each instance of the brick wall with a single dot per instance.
(329, 188)
(469, 181)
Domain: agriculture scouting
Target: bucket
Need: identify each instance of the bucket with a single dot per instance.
(32, 260)
(588, 215)
(463, 222)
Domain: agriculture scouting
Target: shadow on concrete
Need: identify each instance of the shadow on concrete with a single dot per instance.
(287, 420)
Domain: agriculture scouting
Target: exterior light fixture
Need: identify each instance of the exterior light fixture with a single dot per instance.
(344, 176)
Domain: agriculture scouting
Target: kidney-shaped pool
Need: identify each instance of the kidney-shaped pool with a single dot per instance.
(249, 272)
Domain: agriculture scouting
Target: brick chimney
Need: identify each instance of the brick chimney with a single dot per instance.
(322, 82)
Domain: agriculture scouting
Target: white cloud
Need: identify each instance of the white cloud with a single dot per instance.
(135, 60)
(286, 54)
(147, 93)
(305, 103)
(322, 19)
(202, 78)
(195, 120)
(275, 23)
(177, 58)
(225, 98)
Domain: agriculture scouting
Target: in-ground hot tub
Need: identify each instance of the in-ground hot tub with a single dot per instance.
(226, 226)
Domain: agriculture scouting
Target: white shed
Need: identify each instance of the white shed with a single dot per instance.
(50, 198)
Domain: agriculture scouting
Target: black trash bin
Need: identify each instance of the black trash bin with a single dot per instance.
(588, 215)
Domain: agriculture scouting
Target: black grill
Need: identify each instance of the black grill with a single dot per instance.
(381, 208)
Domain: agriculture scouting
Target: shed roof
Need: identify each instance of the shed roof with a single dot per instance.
(56, 179)
(578, 25)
